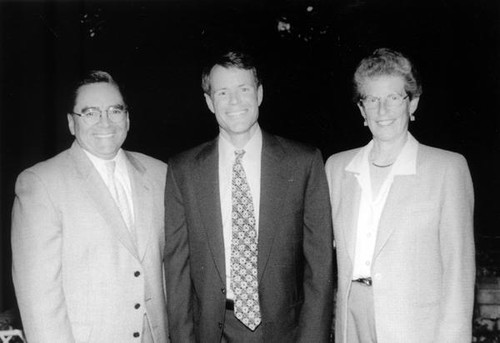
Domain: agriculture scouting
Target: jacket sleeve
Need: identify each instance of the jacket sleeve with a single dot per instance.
(457, 256)
(177, 268)
(316, 314)
(37, 262)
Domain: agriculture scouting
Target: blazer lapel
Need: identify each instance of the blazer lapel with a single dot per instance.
(351, 197)
(143, 203)
(207, 181)
(275, 177)
(401, 188)
(99, 193)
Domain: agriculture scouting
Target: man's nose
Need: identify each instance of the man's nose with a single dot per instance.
(104, 118)
(234, 98)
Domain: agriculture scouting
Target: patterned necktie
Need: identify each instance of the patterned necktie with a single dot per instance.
(118, 193)
(244, 249)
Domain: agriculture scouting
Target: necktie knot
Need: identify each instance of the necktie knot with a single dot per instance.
(239, 155)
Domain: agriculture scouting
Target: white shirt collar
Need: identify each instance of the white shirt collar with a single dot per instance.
(252, 148)
(100, 164)
(405, 164)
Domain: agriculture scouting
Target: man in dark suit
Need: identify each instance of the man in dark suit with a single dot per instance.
(248, 226)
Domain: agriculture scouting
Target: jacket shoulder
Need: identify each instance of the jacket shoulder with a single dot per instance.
(341, 159)
(52, 167)
(295, 148)
(439, 157)
(148, 161)
(156, 168)
(188, 156)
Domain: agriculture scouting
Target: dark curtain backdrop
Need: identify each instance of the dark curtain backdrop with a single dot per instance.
(308, 51)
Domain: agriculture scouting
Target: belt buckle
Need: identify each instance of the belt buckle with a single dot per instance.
(230, 304)
(365, 280)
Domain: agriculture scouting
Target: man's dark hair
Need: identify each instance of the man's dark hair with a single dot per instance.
(231, 59)
(91, 77)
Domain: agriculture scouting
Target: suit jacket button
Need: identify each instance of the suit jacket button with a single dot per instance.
(220, 325)
(137, 273)
(137, 306)
(136, 334)
(223, 290)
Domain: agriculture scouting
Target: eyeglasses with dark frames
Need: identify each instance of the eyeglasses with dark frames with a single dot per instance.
(92, 115)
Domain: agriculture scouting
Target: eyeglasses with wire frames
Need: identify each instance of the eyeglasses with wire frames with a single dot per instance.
(92, 115)
(392, 101)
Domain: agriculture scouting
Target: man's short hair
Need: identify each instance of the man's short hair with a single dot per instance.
(91, 77)
(231, 59)
(387, 62)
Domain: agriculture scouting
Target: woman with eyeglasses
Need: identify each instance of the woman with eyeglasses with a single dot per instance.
(403, 221)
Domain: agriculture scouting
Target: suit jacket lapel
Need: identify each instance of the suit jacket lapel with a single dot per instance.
(207, 180)
(401, 188)
(143, 203)
(351, 197)
(94, 185)
(276, 175)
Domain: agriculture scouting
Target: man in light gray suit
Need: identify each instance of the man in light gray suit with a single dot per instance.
(87, 231)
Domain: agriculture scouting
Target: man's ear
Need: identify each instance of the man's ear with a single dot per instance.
(71, 124)
(209, 102)
(260, 94)
(128, 121)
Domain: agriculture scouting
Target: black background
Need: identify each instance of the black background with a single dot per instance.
(156, 50)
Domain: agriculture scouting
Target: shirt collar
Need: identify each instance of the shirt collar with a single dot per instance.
(252, 148)
(405, 164)
(100, 164)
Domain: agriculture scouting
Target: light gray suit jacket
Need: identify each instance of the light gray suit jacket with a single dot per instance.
(423, 265)
(79, 274)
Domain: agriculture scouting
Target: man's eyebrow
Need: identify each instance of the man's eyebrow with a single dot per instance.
(86, 108)
(119, 106)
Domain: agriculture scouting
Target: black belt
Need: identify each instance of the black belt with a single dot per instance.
(365, 280)
(229, 304)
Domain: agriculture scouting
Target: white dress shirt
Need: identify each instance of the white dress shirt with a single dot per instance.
(121, 174)
(251, 162)
(372, 205)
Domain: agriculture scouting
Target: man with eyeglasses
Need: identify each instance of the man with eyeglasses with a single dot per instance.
(87, 231)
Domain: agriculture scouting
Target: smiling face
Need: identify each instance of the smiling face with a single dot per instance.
(234, 99)
(104, 138)
(387, 124)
